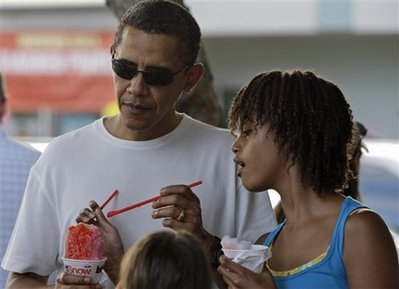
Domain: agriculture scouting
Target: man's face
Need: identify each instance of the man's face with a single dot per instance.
(148, 111)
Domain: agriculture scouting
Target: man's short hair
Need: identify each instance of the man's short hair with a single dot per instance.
(164, 17)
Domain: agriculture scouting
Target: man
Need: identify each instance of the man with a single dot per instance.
(16, 160)
(147, 146)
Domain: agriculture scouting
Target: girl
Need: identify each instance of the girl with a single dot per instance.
(292, 135)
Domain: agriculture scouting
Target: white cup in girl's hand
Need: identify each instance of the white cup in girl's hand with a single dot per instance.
(250, 256)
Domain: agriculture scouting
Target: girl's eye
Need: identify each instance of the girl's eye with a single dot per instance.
(246, 132)
(235, 133)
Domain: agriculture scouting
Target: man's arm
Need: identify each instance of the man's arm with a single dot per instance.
(35, 281)
(27, 281)
(214, 249)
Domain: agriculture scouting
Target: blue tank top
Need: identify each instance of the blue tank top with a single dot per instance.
(327, 271)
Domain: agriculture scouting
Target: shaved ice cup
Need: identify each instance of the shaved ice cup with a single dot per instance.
(252, 259)
(87, 268)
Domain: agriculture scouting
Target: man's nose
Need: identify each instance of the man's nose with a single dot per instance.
(137, 84)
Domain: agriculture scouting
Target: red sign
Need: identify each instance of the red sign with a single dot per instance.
(62, 71)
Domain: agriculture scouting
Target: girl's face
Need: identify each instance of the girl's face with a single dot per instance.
(260, 164)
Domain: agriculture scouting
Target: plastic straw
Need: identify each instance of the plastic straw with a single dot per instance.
(110, 214)
(109, 198)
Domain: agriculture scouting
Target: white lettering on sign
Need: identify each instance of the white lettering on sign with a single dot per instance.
(51, 62)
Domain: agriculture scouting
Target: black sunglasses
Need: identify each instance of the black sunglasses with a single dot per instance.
(157, 77)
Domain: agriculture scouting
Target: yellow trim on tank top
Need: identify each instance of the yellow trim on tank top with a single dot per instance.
(296, 269)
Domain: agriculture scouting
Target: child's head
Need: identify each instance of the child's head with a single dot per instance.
(309, 118)
(165, 260)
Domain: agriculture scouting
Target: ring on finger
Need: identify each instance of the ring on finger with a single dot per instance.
(181, 216)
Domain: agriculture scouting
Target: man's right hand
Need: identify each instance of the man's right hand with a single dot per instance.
(113, 246)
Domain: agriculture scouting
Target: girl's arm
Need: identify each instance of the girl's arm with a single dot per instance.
(370, 255)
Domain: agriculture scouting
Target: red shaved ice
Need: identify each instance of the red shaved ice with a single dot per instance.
(84, 242)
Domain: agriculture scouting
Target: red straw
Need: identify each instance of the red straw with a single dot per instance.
(110, 214)
(109, 198)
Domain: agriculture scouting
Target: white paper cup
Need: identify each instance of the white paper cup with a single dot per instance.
(89, 268)
(253, 259)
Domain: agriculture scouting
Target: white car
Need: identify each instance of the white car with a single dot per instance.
(379, 179)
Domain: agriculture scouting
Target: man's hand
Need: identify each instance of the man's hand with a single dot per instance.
(64, 281)
(180, 208)
(113, 246)
(67, 281)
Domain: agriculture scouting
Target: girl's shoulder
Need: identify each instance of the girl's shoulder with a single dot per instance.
(369, 255)
(364, 222)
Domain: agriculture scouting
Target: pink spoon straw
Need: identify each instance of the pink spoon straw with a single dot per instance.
(109, 198)
(117, 212)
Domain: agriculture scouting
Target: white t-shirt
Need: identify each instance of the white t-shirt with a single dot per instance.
(89, 164)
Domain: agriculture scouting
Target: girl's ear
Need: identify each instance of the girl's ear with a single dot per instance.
(194, 74)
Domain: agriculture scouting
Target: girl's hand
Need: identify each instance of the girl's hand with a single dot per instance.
(239, 277)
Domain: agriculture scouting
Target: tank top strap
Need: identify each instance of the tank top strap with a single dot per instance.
(349, 206)
(270, 238)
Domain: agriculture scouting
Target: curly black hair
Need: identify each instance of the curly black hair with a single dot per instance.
(164, 17)
(310, 119)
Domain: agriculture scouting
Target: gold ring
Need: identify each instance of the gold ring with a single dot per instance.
(181, 216)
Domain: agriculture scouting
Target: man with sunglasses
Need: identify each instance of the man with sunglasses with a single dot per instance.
(147, 146)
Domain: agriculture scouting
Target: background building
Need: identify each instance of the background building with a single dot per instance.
(55, 55)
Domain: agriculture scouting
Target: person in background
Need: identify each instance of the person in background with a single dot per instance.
(16, 160)
(292, 132)
(142, 151)
(165, 260)
(355, 152)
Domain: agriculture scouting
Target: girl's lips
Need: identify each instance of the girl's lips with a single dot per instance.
(240, 166)
(239, 163)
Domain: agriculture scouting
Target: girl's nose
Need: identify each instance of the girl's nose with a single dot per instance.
(234, 146)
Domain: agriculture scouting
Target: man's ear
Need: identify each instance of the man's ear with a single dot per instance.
(2, 110)
(194, 74)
